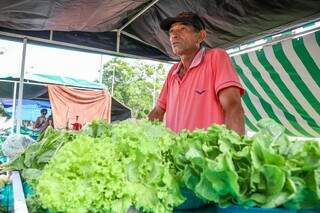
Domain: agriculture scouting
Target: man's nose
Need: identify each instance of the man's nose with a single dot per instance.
(173, 35)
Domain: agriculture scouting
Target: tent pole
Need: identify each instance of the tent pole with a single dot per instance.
(154, 88)
(112, 86)
(21, 85)
(131, 20)
(118, 40)
(14, 106)
(273, 41)
(51, 35)
(101, 70)
(46, 84)
(84, 48)
(138, 14)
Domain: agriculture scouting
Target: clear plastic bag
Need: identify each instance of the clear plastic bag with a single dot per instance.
(15, 144)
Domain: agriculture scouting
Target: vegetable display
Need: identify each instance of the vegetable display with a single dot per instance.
(111, 173)
(267, 170)
(32, 161)
(135, 163)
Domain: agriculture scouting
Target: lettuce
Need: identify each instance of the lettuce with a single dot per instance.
(129, 166)
(267, 170)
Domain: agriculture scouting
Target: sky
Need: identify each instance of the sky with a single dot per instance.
(55, 61)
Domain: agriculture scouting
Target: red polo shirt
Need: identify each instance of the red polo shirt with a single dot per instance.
(192, 102)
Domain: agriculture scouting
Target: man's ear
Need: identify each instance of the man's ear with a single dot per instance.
(202, 36)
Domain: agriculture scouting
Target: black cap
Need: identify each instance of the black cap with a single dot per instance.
(184, 17)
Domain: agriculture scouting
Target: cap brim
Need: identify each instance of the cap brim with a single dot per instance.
(166, 23)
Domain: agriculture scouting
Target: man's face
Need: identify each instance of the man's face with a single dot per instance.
(183, 38)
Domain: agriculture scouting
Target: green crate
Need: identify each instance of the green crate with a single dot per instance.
(6, 198)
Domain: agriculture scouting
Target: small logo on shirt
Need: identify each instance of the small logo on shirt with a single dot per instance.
(200, 92)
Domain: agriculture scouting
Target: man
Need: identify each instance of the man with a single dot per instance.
(203, 88)
(41, 120)
(49, 122)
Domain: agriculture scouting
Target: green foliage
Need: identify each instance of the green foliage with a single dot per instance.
(266, 170)
(134, 83)
(110, 167)
(32, 161)
(34, 204)
(129, 167)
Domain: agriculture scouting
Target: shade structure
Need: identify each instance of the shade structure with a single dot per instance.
(30, 108)
(35, 88)
(132, 27)
(282, 82)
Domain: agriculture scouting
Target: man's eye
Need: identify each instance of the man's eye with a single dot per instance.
(183, 28)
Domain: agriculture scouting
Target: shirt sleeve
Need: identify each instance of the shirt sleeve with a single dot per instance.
(225, 75)
(163, 97)
(162, 100)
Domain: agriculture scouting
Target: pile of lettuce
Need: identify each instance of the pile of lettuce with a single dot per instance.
(111, 167)
(267, 170)
(111, 170)
(33, 159)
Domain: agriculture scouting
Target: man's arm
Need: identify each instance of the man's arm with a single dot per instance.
(156, 114)
(230, 100)
(37, 123)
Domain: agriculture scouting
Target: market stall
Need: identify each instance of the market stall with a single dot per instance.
(36, 93)
(132, 29)
(266, 170)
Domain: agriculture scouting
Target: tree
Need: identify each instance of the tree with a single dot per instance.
(3, 112)
(134, 84)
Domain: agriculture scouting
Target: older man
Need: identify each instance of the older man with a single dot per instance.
(203, 88)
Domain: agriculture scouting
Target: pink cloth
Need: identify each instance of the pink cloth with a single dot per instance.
(67, 103)
(192, 102)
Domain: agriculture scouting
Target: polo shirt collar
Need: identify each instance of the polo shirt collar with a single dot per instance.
(195, 62)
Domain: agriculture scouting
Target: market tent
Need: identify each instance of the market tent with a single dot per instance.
(282, 82)
(35, 88)
(132, 27)
(30, 108)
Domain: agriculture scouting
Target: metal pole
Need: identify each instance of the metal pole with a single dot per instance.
(19, 201)
(131, 20)
(101, 70)
(51, 35)
(14, 107)
(112, 86)
(64, 44)
(154, 87)
(138, 14)
(118, 41)
(21, 85)
(273, 41)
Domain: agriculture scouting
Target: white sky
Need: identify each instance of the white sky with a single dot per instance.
(55, 61)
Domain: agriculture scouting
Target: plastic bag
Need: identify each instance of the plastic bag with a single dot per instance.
(15, 144)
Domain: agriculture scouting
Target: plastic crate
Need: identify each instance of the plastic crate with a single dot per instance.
(237, 209)
(3, 159)
(6, 198)
(192, 202)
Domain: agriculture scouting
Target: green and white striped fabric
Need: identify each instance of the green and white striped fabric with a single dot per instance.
(282, 81)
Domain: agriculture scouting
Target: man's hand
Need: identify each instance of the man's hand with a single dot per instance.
(156, 114)
(233, 112)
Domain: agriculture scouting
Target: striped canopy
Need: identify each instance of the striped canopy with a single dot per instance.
(282, 82)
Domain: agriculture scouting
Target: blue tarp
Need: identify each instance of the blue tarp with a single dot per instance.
(30, 108)
(41, 104)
